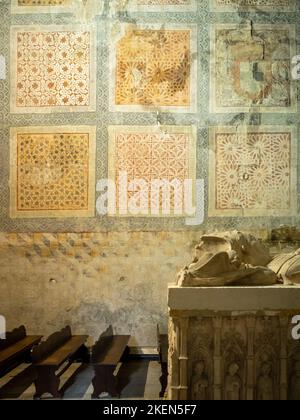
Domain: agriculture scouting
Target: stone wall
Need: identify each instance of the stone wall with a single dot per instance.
(91, 280)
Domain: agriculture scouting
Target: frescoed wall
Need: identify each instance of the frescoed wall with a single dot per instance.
(160, 89)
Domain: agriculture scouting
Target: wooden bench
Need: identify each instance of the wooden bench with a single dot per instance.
(107, 352)
(60, 348)
(162, 348)
(16, 348)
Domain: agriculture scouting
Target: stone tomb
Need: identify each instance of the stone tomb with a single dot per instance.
(234, 343)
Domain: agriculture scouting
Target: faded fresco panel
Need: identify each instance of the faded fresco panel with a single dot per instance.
(52, 172)
(162, 5)
(41, 6)
(53, 69)
(154, 69)
(253, 171)
(251, 68)
(152, 153)
(255, 5)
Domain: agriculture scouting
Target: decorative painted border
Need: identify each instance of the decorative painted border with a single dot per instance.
(133, 6)
(93, 68)
(262, 109)
(212, 211)
(236, 8)
(144, 109)
(14, 213)
(24, 10)
(192, 158)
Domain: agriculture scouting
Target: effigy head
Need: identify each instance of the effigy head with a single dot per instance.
(248, 249)
(228, 258)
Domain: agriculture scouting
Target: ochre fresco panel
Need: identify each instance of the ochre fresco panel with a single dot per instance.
(52, 171)
(163, 2)
(153, 68)
(43, 2)
(41, 6)
(149, 153)
(52, 70)
(258, 5)
(157, 6)
(251, 68)
(252, 171)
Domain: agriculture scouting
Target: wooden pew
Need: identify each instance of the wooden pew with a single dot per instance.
(107, 352)
(50, 355)
(162, 348)
(16, 348)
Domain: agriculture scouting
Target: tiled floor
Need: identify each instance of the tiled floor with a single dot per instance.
(138, 379)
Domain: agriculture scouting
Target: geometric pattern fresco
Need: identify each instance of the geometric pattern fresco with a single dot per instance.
(52, 171)
(163, 2)
(41, 6)
(251, 68)
(252, 171)
(42, 2)
(149, 153)
(165, 5)
(52, 69)
(153, 69)
(239, 5)
(82, 10)
(104, 117)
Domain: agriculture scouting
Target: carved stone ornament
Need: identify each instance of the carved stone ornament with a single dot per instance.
(229, 258)
(287, 267)
(286, 233)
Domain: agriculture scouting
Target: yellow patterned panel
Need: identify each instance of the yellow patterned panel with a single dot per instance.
(153, 69)
(160, 5)
(43, 2)
(41, 6)
(163, 2)
(52, 172)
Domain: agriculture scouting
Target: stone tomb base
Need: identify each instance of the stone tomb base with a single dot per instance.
(230, 343)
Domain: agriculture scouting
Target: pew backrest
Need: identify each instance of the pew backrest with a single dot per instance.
(102, 344)
(53, 343)
(13, 337)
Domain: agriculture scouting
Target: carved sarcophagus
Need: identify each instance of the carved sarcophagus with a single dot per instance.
(234, 343)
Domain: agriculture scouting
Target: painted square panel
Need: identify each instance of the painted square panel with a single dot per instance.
(53, 69)
(52, 172)
(157, 6)
(251, 68)
(255, 5)
(150, 154)
(253, 171)
(41, 6)
(153, 69)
